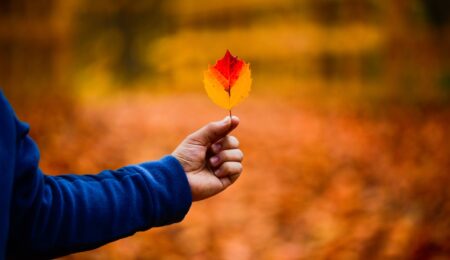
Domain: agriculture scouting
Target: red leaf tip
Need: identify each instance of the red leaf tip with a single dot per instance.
(230, 67)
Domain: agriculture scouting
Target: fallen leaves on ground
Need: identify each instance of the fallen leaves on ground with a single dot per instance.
(317, 184)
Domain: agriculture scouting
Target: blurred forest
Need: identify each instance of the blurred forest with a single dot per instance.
(350, 103)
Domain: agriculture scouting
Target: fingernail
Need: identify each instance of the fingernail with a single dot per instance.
(216, 147)
(214, 160)
(217, 172)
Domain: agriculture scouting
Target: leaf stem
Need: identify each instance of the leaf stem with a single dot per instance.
(229, 100)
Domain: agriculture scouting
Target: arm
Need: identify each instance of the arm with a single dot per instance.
(58, 215)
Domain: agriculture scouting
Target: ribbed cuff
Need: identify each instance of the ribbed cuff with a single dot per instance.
(172, 197)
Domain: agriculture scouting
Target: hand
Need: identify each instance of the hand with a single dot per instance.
(211, 158)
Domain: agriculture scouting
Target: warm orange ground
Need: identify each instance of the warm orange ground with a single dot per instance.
(317, 184)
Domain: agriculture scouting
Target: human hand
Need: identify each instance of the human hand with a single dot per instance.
(211, 158)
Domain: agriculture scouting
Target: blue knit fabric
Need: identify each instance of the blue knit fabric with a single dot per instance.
(48, 216)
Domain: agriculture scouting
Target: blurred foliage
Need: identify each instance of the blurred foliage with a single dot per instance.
(364, 50)
(350, 102)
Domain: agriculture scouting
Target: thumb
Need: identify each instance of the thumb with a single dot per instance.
(214, 131)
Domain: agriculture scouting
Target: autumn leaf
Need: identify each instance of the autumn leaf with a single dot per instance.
(228, 81)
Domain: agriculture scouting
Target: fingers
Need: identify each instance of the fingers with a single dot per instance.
(228, 169)
(228, 142)
(229, 172)
(234, 155)
(228, 157)
(214, 131)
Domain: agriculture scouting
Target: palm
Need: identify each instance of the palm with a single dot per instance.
(194, 159)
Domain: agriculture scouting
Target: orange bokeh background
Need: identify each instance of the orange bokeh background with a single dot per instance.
(345, 132)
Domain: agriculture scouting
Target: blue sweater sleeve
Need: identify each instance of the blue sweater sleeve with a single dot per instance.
(57, 215)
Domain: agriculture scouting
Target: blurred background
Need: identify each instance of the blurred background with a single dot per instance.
(345, 133)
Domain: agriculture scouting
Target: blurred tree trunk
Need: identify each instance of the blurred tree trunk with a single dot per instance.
(35, 58)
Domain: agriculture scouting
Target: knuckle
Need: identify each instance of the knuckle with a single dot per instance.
(241, 155)
(238, 155)
(237, 168)
(234, 141)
